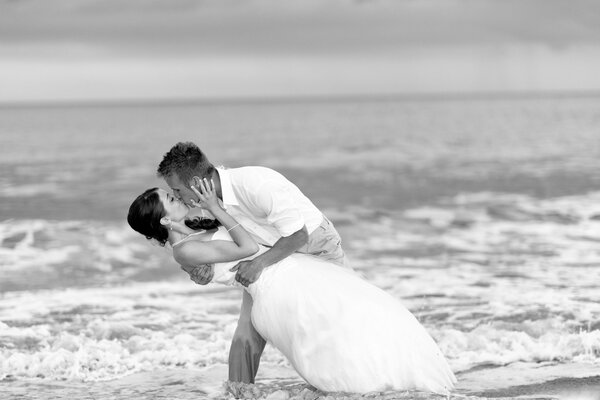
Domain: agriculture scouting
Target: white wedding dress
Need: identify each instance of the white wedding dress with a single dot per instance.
(340, 332)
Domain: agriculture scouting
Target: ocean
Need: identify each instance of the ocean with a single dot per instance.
(481, 214)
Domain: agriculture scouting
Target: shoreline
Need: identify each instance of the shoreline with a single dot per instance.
(281, 382)
(523, 380)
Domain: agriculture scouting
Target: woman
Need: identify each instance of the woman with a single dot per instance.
(338, 331)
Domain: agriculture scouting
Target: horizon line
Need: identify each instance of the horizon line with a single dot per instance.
(326, 98)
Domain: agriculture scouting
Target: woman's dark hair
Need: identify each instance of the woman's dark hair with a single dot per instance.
(146, 211)
(144, 216)
(198, 223)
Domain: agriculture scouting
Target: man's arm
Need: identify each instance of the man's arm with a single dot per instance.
(249, 271)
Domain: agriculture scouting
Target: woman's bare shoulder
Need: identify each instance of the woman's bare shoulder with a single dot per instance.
(187, 252)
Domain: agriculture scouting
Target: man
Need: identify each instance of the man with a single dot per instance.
(274, 211)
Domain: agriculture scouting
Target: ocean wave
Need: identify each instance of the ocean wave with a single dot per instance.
(496, 344)
(30, 190)
(42, 254)
(493, 288)
(104, 333)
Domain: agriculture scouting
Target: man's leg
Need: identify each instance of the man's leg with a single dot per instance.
(246, 347)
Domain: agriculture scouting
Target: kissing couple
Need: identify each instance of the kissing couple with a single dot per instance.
(339, 332)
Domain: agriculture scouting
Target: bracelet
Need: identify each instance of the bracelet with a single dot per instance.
(233, 227)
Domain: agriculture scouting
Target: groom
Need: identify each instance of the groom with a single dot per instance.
(274, 211)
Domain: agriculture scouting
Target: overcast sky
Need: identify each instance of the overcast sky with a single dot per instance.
(157, 49)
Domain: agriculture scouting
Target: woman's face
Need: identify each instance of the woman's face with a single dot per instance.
(174, 208)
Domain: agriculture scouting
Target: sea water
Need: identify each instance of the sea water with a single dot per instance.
(481, 215)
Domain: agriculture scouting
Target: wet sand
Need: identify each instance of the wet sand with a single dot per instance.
(520, 380)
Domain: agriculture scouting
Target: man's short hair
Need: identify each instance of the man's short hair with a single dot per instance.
(185, 160)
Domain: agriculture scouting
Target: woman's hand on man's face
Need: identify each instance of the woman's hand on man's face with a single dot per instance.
(207, 195)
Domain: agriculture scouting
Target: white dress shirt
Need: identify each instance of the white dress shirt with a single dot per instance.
(266, 204)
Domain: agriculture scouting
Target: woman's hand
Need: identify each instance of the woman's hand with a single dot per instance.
(201, 274)
(207, 195)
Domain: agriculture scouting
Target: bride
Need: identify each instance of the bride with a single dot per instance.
(338, 331)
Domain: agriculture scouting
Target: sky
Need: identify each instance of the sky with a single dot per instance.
(90, 50)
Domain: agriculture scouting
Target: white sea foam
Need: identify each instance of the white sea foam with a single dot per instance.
(495, 344)
(30, 190)
(496, 278)
(97, 334)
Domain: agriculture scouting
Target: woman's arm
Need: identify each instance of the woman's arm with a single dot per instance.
(196, 252)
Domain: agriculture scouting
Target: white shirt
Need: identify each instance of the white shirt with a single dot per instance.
(266, 203)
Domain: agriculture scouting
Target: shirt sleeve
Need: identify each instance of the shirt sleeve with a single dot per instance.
(277, 202)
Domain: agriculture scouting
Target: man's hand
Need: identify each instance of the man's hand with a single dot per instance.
(201, 274)
(248, 271)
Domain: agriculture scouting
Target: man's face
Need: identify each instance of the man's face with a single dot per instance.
(181, 190)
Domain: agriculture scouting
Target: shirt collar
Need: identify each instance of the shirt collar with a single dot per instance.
(227, 192)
